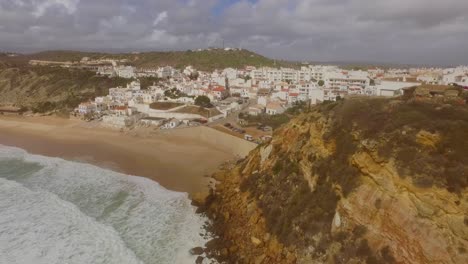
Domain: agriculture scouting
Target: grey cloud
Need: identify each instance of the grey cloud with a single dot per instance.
(406, 31)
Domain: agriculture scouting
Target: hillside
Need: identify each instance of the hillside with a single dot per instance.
(206, 60)
(357, 181)
(43, 89)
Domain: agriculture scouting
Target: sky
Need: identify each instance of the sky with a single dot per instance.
(380, 31)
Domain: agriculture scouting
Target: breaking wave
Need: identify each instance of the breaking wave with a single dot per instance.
(57, 211)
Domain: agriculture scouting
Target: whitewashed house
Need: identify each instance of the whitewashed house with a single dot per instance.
(173, 123)
(87, 108)
(256, 110)
(262, 100)
(127, 72)
(274, 108)
(316, 95)
(164, 72)
(390, 89)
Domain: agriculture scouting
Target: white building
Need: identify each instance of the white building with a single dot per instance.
(173, 123)
(127, 72)
(189, 70)
(164, 72)
(134, 86)
(120, 94)
(262, 100)
(429, 78)
(106, 71)
(316, 95)
(152, 121)
(240, 83)
(288, 74)
(274, 108)
(345, 83)
(230, 73)
(387, 88)
(256, 110)
(87, 108)
(455, 75)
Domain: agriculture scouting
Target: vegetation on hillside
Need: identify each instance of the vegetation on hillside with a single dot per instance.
(206, 60)
(164, 105)
(428, 142)
(43, 89)
(174, 93)
(146, 82)
(203, 101)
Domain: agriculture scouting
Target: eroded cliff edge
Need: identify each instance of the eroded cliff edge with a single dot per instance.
(357, 181)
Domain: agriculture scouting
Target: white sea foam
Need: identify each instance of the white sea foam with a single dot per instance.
(57, 211)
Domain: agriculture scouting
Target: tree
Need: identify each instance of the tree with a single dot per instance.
(146, 82)
(203, 101)
(372, 82)
(174, 93)
(321, 83)
(194, 76)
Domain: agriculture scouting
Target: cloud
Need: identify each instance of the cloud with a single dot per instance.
(160, 18)
(405, 31)
(42, 6)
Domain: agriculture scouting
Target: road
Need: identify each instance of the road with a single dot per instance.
(232, 117)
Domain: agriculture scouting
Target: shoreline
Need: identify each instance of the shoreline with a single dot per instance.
(179, 160)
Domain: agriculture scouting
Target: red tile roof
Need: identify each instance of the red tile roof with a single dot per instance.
(219, 89)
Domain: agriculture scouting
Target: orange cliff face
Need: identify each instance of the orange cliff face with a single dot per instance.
(359, 181)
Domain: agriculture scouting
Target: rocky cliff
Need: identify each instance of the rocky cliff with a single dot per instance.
(358, 181)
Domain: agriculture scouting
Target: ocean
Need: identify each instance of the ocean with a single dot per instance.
(64, 212)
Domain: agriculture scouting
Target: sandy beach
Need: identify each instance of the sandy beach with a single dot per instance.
(178, 159)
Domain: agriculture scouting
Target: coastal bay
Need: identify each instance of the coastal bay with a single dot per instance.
(178, 159)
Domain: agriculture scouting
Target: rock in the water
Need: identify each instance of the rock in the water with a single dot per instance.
(197, 251)
(198, 199)
(199, 260)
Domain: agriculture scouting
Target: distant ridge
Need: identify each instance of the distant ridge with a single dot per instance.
(206, 60)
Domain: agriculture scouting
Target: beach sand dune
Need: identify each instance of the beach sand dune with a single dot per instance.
(177, 159)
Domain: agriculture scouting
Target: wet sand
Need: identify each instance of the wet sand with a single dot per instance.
(177, 159)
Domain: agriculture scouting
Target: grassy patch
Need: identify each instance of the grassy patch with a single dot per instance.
(395, 125)
(164, 105)
(198, 110)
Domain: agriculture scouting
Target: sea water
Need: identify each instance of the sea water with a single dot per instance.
(57, 211)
